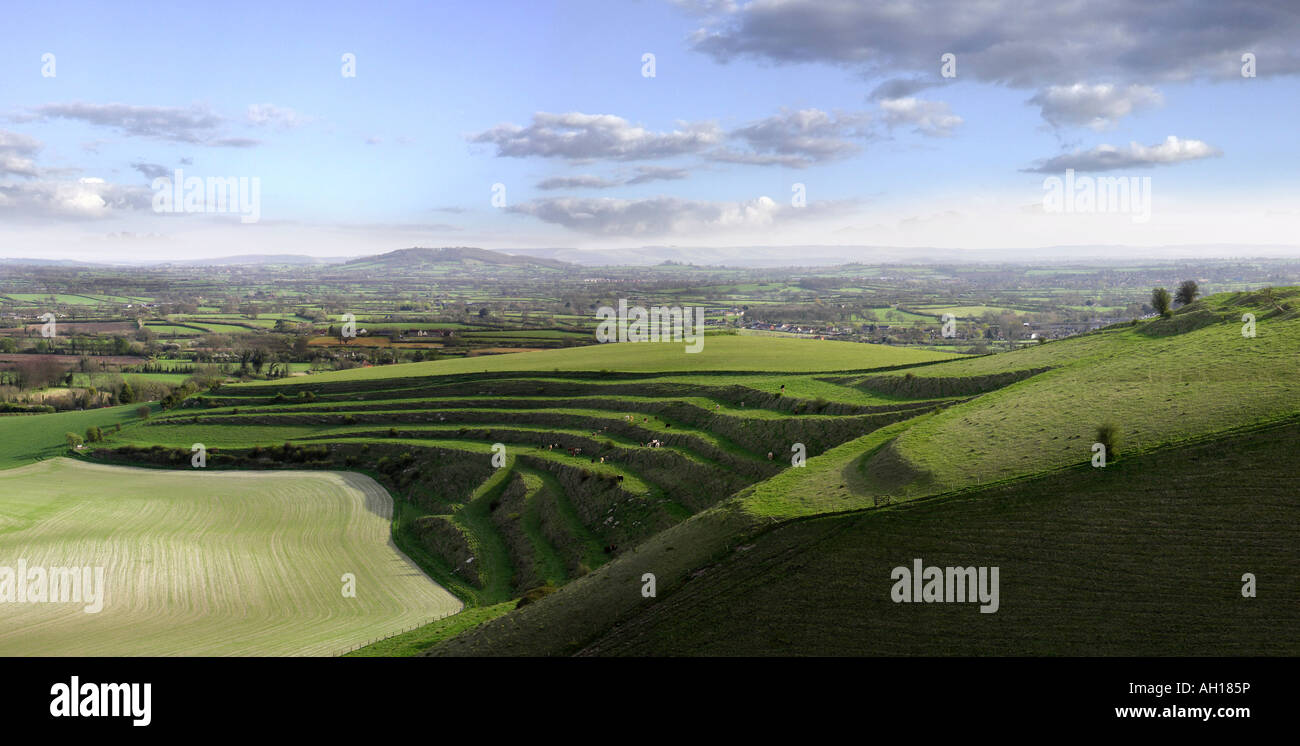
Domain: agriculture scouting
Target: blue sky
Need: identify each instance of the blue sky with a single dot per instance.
(747, 101)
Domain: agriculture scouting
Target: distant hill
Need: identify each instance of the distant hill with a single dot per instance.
(415, 257)
(253, 259)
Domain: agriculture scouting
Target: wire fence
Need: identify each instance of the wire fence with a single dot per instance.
(412, 628)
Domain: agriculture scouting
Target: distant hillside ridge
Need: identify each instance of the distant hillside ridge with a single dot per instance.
(417, 256)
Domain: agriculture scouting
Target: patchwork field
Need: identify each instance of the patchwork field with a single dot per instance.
(200, 563)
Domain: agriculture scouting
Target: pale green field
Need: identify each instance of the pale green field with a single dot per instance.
(719, 353)
(208, 563)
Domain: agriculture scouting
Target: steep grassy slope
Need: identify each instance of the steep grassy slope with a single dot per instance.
(1141, 558)
(1159, 382)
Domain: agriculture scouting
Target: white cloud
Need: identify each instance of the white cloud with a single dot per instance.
(1111, 157)
(932, 118)
(14, 151)
(671, 216)
(1098, 107)
(86, 198)
(583, 137)
(648, 217)
(1018, 44)
(195, 125)
(801, 137)
(278, 117)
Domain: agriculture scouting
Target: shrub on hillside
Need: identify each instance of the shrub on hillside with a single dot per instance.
(1108, 434)
(1160, 300)
(15, 407)
(535, 594)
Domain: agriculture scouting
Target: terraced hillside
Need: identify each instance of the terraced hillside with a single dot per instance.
(1166, 384)
(592, 462)
(623, 460)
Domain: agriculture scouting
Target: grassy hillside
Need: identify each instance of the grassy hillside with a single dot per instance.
(1143, 558)
(595, 463)
(632, 458)
(719, 353)
(1158, 382)
(878, 470)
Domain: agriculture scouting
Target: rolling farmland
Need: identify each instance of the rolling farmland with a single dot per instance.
(208, 563)
(554, 480)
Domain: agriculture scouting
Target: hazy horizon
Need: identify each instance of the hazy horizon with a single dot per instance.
(767, 257)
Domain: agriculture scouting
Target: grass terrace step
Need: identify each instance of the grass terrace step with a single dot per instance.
(756, 435)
